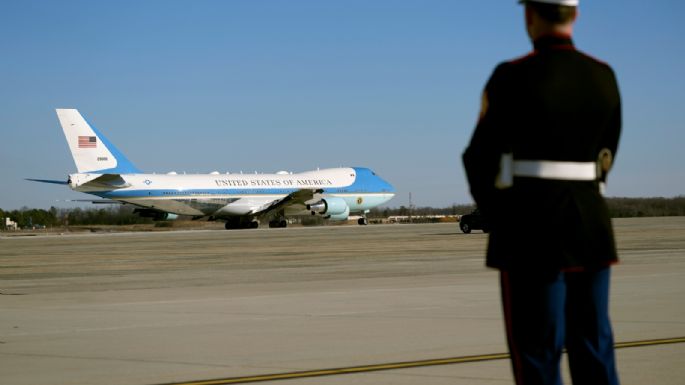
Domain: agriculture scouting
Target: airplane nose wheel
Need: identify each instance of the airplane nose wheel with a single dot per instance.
(363, 221)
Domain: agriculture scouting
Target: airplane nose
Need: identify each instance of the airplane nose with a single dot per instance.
(389, 188)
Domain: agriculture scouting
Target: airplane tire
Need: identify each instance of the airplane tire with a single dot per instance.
(233, 225)
(277, 224)
(363, 221)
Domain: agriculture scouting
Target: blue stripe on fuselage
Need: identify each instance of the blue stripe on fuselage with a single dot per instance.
(192, 193)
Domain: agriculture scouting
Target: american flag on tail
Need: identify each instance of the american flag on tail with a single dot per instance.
(87, 142)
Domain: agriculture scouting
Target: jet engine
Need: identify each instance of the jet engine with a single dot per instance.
(339, 217)
(156, 215)
(333, 208)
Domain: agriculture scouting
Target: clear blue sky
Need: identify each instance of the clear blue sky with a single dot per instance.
(394, 85)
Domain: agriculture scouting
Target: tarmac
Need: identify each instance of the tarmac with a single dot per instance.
(379, 304)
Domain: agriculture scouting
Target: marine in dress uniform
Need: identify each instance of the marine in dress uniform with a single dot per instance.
(548, 131)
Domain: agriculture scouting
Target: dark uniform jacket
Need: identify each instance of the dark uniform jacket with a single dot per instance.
(555, 104)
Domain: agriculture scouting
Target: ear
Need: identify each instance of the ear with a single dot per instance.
(529, 16)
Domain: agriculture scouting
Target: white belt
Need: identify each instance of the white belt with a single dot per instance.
(548, 169)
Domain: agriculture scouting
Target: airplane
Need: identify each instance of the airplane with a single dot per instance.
(241, 200)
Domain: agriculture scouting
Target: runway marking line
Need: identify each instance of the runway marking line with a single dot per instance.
(397, 365)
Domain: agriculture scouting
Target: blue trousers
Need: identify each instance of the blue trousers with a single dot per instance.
(545, 312)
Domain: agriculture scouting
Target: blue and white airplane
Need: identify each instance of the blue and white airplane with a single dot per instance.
(242, 200)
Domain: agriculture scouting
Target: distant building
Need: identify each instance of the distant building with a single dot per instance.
(9, 224)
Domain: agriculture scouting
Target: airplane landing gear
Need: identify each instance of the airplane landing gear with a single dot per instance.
(236, 225)
(278, 223)
(363, 221)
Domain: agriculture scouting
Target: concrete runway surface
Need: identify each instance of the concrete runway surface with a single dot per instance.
(186, 306)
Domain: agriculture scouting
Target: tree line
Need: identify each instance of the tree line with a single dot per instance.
(55, 217)
(123, 214)
(618, 208)
(646, 207)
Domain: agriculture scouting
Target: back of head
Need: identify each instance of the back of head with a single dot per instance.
(554, 11)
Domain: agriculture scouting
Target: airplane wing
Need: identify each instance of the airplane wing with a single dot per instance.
(48, 181)
(294, 198)
(97, 201)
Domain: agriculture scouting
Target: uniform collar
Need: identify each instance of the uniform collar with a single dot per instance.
(556, 41)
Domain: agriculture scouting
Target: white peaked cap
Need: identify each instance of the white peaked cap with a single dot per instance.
(570, 3)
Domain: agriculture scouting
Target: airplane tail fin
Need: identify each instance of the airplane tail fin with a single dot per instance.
(92, 152)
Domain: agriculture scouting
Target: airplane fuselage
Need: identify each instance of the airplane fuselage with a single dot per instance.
(227, 195)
